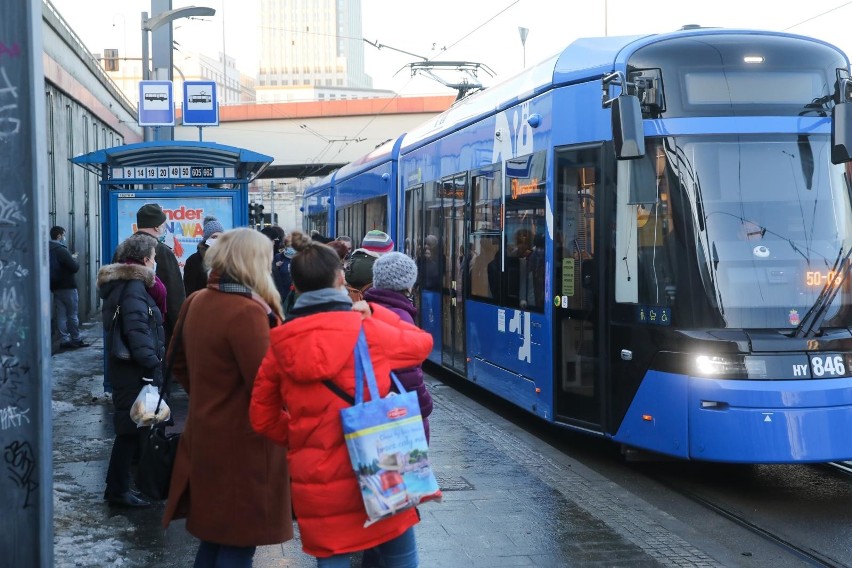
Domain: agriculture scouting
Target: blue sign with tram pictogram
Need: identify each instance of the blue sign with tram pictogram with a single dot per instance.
(200, 104)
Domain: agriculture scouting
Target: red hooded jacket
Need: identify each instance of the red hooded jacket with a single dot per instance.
(291, 405)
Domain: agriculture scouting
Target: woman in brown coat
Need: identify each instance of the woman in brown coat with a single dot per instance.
(231, 484)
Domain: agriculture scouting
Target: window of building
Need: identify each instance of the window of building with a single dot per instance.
(111, 59)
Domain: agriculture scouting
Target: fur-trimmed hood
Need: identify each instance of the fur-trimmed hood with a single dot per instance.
(119, 271)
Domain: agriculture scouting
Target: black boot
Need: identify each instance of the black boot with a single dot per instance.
(128, 499)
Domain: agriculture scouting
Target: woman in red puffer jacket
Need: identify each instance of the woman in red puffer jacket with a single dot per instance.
(293, 405)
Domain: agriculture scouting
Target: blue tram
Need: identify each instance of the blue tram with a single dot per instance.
(644, 238)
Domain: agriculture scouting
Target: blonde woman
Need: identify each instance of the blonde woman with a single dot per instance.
(231, 484)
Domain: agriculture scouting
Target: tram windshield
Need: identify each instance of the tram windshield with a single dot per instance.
(741, 231)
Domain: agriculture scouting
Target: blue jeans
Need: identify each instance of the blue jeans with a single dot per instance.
(67, 321)
(400, 552)
(212, 555)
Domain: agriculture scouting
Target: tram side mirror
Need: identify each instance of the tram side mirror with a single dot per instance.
(841, 130)
(627, 132)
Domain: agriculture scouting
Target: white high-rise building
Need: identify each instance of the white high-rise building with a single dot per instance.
(311, 45)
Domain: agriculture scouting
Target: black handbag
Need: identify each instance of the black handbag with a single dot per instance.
(156, 461)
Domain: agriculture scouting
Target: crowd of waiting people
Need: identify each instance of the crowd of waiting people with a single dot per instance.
(251, 330)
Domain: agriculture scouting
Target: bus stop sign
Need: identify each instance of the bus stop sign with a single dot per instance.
(156, 103)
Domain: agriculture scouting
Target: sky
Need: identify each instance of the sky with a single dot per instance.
(482, 31)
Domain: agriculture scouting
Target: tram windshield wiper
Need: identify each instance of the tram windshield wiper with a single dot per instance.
(816, 314)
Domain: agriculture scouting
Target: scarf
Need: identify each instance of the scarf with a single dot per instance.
(226, 284)
(317, 301)
(157, 290)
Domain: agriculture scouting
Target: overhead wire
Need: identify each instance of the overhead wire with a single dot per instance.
(390, 100)
(817, 16)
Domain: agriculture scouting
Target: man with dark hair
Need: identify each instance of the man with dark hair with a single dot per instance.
(151, 221)
(63, 284)
(280, 259)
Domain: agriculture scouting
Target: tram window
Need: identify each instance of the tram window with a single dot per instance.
(574, 250)
(524, 230)
(485, 267)
(487, 190)
(429, 254)
(413, 220)
(376, 214)
(355, 220)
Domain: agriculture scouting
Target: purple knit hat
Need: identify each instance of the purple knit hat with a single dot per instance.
(378, 242)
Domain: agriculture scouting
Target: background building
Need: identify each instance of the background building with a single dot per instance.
(311, 43)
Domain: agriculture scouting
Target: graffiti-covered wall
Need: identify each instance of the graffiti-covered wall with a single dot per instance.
(26, 536)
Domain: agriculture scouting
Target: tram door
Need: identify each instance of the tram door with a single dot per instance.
(578, 378)
(453, 194)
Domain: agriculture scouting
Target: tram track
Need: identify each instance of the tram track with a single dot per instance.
(845, 467)
(608, 460)
(806, 555)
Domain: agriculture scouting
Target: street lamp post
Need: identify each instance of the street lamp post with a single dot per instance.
(151, 24)
(524, 32)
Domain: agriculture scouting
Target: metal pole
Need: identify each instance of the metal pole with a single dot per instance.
(146, 74)
(272, 202)
(523, 32)
(224, 56)
(260, 190)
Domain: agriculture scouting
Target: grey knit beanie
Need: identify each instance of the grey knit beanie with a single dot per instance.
(212, 225)
(394, 271)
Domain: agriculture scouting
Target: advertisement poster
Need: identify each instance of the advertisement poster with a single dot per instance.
(184, 219)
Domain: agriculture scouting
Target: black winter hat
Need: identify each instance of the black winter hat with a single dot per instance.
(150, 216)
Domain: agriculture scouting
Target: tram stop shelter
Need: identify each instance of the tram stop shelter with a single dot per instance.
(189, 180)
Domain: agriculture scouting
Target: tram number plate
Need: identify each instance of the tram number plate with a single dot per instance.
(829, 365)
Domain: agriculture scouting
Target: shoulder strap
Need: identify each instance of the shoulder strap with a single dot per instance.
(339, 392)
(117, 312)
(177, 335)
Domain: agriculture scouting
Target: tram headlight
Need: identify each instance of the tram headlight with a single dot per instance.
(718, 366)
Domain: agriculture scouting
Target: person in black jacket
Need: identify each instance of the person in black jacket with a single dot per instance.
(130, 291)
(280, 261)
(194, 271)
(63, 284)
(151, 221)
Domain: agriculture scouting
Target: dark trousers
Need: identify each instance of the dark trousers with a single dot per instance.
(120, 461)
(212, 555)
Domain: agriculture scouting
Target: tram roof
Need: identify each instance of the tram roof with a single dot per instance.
(583, 60)
(320, 185)
(247, 163)
(382, 154)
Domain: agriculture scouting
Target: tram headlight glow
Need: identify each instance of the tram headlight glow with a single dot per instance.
(715, 366)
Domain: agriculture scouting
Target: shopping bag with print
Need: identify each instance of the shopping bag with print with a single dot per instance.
(387, 444)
